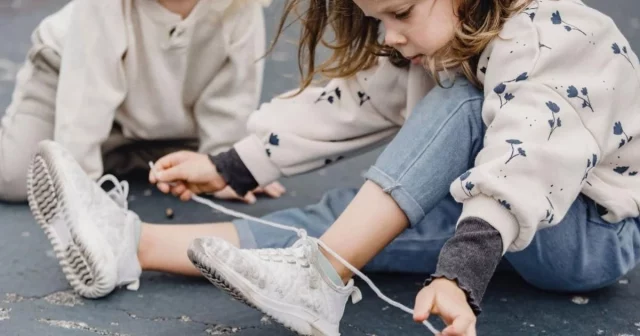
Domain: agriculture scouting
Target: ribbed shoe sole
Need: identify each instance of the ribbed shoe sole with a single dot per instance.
(82, 261)
(290, 321)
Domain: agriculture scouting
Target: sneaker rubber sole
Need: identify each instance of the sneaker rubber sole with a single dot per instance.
(81, 252)
(291, 317)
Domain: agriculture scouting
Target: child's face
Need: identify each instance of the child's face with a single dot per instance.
(414, 27)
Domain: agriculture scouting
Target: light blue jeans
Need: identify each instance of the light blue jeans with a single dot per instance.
(437, 144)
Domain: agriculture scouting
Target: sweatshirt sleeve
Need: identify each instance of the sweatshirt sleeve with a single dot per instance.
(537, 151)
(293, 135)
(224, 107)
(91, 85)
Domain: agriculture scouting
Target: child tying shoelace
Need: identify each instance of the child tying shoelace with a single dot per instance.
(513, 131)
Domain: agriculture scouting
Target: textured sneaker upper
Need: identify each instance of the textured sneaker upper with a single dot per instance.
(91, 203)
(289, 275)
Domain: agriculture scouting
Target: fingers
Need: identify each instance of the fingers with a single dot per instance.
(176, 173)
(249, 198)
(178, 189)
(226, 193)
(164, 187)
(462, 326)
(424, 305)
(186, 196)
(274, 190)
(170, 160)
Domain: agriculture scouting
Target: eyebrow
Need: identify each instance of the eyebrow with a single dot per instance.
(391, 4)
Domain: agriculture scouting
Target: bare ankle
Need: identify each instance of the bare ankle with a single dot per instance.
(344, 273)
(145, 244)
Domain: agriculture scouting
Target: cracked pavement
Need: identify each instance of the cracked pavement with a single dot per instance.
(35, 298)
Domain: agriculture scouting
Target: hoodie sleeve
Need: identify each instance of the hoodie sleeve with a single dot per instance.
(91, 85)
(323, 125)
(537, 151)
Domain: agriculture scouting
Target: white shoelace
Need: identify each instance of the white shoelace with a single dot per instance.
(303, 235)
(120, 189)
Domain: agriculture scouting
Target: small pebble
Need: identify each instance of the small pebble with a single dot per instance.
(624, 282)
(147, 192)
(580, 300)
(25, 234)
(169, 213)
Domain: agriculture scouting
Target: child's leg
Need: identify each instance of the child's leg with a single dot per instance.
(581, 253)
(28, 120)
(162, 248)
(437, 144)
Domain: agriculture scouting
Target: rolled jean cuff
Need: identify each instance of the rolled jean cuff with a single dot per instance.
(400, 195)
(245, 235)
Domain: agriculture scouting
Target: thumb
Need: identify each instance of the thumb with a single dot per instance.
(176, 173)
(424, 305)
(170, 160)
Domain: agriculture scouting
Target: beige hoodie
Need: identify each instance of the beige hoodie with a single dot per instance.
(159, 76)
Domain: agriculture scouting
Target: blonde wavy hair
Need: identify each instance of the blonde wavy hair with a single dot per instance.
(357, 41)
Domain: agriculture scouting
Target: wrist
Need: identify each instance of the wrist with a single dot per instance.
(217, 181)
(450, 284)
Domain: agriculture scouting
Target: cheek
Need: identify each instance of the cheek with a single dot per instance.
(432, 36)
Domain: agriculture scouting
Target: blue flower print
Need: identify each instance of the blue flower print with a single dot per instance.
(502, 88)
(554, 123)
(540, 45)
(531, 11)
(273, 139)
(550, 213)
(572, 92)
(330, 96)
(591, 163)
(505, 204)
(468, 187)
(515, 151)
(622, 51)
(621, 170)
(618, 130)
(624, 169)
(556, 19)
(363, 97)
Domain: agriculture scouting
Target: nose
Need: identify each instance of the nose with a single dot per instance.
(393, 38)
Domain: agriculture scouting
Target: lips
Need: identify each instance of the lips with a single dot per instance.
(417, 59)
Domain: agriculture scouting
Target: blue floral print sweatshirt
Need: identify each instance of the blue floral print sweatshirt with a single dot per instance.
(562, 102)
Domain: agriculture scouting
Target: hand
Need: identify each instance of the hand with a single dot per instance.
(186, 173)
(443, 297)
(273, 190)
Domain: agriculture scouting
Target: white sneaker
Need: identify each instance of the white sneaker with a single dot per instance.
(286, 284)
(93, 235)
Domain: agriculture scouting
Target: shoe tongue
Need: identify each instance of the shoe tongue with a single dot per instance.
(308, 248)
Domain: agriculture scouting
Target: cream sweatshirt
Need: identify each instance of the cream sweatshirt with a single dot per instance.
(157, 75)
(562, 95)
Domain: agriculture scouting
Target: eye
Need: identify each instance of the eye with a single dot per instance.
(403, 15)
